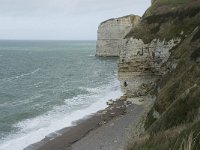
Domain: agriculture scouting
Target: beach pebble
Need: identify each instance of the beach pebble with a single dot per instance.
(123, 98)
(111, 108)
(104, 112)
(102, 122)
(112, 124)
(127, 103)
(141, 100)
(110, 102)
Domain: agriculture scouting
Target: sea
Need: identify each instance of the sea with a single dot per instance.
(46, 86)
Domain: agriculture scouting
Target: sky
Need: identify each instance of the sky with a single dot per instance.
(61, 19)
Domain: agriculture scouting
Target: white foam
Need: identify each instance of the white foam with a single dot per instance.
(34, 130)
(38, 84)
(91, 55)
(91, 90)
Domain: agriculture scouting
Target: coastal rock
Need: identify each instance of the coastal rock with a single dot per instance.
(136, 100)
(111, 34)
(123, 98)
(110, 102)
(140, 63)
(159, 68)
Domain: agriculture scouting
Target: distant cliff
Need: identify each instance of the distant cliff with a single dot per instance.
(160, 59)
(111, 33)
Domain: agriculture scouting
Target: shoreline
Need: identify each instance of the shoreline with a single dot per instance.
(59, 124)
(65, 138)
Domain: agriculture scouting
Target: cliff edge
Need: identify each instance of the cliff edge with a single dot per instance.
(172, 30)
(159, 60)
(111, 34)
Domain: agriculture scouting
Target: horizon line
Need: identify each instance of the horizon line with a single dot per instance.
(47, 40)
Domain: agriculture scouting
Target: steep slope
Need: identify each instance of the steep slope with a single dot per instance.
(148, 44)
(174, 120)
(159, 59)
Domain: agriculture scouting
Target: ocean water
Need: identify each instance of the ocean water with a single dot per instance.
(46, 85)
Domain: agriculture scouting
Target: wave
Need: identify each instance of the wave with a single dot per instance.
(91, 90)
(38, 84)
(36, 129)
(22, 75)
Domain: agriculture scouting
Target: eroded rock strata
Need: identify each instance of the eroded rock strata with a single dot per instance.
(160, 57)
(140, 63)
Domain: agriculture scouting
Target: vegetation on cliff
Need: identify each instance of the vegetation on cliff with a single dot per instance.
(177, 125)
(161, 6)
(167, 21)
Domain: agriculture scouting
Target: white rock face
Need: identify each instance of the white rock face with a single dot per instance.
(111, 34)
(140, 63)
(144, 58)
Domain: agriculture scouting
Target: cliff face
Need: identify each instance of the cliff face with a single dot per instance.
(111, 34)
(140, 63)
(148, 45)
(174, 119)
(160, 57)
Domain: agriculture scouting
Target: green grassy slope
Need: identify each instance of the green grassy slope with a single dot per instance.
(178, 91)
(161, 6)
(183, 138)
(171, 23)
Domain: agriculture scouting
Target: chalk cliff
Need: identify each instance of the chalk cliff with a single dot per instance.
(159, 58)
(140, 63)
(111, 34)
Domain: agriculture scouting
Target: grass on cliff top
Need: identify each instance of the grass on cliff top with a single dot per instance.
(170, 25)
(160, 3)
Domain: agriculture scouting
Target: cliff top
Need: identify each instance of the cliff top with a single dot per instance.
(173, 122)
(167, 19)
(164, 6)
(123, 17)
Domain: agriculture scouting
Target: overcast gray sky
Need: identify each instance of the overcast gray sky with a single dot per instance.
(61, 19)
